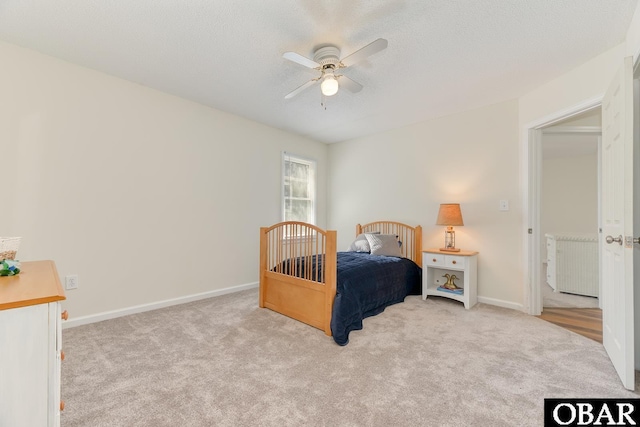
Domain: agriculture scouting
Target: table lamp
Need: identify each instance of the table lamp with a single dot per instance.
(449, 215)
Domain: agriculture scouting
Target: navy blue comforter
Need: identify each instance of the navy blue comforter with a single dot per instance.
(367, 284)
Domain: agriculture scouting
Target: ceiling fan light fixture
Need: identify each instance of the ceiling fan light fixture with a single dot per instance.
(329, 85)
(326, 59)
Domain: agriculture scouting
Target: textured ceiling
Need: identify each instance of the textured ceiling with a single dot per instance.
(443, 56)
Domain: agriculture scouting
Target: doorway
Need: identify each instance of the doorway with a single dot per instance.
(569, 212)
(560, 145)
(569, 224)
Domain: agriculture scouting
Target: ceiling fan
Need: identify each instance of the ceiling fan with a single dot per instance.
(326, 59)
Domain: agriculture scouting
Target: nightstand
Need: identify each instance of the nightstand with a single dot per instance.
(463, 264)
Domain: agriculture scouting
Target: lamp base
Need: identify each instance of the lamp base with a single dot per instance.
(450, 249)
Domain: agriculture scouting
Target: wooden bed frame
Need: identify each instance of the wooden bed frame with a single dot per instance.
(300, 292)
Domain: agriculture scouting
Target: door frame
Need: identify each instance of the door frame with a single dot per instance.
(531, 161)
(532, 172)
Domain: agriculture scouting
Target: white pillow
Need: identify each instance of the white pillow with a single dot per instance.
(361, 244)
(384, 244)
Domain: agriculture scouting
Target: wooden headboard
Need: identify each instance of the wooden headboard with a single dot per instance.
(411, 237)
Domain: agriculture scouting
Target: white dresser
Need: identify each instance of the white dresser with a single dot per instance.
(572, 263)
(30, 346)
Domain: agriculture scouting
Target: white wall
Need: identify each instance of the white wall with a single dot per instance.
(587, 82)
(144, 195)
(569, 179)
(404, 174)
(569, 196)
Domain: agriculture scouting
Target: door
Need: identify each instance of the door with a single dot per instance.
(617, 223)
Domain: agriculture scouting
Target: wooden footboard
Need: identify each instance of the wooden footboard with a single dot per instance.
(291, 286)
(288, 282)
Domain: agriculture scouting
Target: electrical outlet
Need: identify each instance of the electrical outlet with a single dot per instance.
(504, 205)
(71, 282)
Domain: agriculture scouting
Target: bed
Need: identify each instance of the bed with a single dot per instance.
(303, 276)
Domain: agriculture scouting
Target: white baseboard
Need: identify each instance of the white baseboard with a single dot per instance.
(501, 303)
(92, 318)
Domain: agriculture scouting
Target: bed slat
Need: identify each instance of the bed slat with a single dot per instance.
(411, 237)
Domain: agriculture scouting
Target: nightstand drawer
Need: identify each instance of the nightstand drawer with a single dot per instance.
(455, 261)
(434, 260)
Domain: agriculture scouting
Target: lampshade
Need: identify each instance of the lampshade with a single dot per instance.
(329, 85)
(449, 214)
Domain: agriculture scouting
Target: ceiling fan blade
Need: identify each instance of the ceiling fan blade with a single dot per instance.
(301, 88)
(350, 85)
(357, 56)
(299, 59)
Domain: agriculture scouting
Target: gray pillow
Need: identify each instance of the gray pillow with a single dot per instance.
(384, 244)
(361, 244)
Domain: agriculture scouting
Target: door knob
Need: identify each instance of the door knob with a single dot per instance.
(610, 239)
(636, 240)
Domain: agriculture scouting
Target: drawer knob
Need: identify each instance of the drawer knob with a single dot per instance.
(453, 262)
(62, 405)
(64, 315)
(434, 260)
(61, 355)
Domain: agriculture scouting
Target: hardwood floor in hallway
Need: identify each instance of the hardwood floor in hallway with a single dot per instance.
(584, 321)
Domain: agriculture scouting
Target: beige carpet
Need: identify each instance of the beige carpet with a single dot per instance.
(226, 362)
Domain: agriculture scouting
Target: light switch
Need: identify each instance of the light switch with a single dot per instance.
(504, 205)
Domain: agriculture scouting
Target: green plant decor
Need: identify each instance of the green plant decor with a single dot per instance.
(9, 267)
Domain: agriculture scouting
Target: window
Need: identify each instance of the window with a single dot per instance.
(298, 188)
